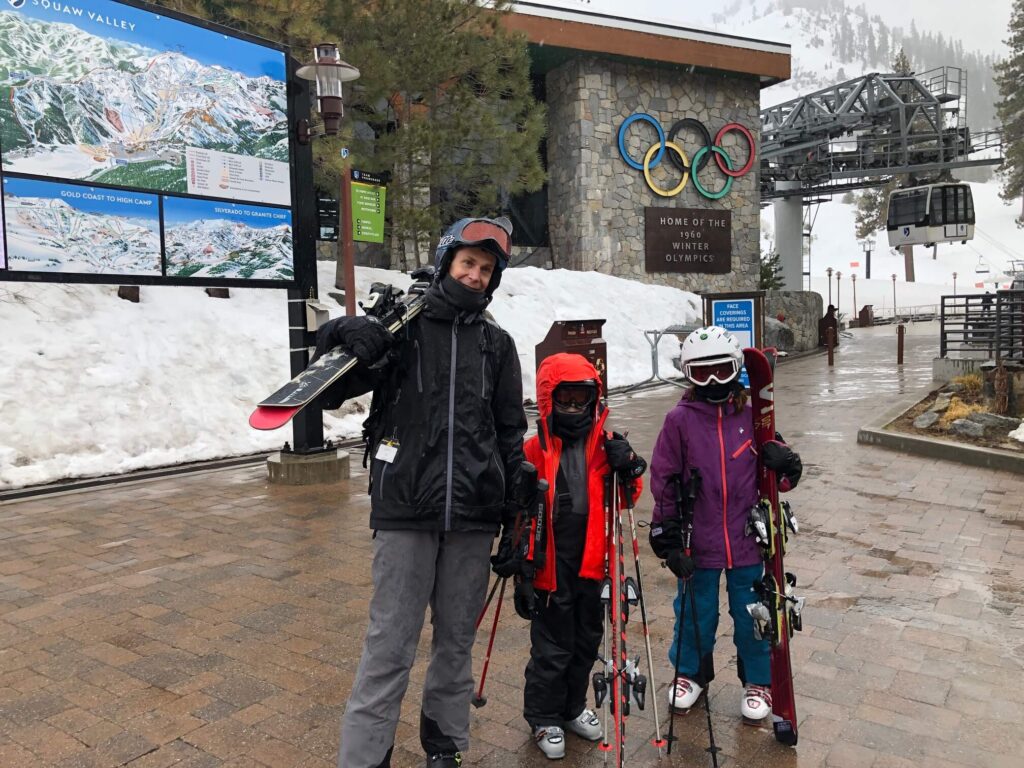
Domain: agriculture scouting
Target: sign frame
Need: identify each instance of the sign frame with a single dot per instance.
(297, 105)
(744, 304)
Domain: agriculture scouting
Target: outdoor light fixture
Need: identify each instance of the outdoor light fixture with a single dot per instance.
(329, 72)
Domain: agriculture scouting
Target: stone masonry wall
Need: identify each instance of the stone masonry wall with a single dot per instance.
(596, 202)
(801, 310)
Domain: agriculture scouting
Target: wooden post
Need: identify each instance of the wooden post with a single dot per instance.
(830, 344)
(901, 332)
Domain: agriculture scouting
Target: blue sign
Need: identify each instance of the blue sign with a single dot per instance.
(736, 316)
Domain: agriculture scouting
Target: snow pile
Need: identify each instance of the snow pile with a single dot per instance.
(94, 385)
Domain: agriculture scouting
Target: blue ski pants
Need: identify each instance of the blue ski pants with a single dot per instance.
(754, 656)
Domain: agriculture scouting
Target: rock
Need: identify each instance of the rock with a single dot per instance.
(926, 419)
(778, 335)
(967, 428)
(995, 422)
(941, 402)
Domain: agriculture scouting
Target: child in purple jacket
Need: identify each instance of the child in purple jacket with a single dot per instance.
(710, 432)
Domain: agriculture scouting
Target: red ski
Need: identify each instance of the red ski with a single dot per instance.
(777, 614)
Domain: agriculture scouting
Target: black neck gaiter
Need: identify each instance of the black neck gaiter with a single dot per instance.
(571, 426)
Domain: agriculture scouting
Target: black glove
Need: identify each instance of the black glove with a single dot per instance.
(366, 336)
(667, 542)
(523, 488)
(681, 564)
(784, 461)
(508, 561)
(525, 600)
(622, 458)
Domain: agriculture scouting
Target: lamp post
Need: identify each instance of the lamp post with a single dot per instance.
(954, 283)
(330, 73)
(853, 282)
(838, 276)
(867, 245)
(829, 273)
(894, 295)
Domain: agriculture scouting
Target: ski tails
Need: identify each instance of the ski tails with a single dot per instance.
(777, 614)
(385, 304)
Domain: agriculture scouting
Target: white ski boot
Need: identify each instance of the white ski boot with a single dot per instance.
(756, 704)
(587, 725)
(551, 740)
(683, 694)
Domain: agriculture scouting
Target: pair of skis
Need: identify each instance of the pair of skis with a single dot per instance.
(621, 682)
(777, 613)
(386, 303)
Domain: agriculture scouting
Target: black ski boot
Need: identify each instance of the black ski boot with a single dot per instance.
(445, 760)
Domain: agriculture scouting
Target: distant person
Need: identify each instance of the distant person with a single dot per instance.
(828, 321)
(445, 434)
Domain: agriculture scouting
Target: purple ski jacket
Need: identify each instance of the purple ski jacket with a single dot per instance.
(719, 442)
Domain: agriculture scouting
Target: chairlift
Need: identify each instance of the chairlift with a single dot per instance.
(982, 268)
(927, 214)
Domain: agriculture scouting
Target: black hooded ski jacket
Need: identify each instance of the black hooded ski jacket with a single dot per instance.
(450, 401)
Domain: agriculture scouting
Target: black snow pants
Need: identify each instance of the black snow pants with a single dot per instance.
(565, 639)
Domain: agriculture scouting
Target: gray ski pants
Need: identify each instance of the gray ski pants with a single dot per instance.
(413, 569)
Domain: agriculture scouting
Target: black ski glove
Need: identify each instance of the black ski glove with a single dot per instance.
(667, 542)
(508, 561)
(622, 458)
(681, 564)
(785, 462)
(525, 600)
(523, 488)
(366, 336)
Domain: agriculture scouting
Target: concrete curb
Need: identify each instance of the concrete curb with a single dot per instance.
(874, 433)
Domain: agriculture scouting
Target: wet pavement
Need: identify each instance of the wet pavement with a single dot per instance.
(213, 620)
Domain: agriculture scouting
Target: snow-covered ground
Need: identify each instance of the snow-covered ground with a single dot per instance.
(94, 385)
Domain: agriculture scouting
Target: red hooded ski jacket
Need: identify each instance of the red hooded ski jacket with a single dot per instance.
(544, 450)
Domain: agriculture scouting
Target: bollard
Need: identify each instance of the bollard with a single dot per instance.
(830, 344)
(901, 331)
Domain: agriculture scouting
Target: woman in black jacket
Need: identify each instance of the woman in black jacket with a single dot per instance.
(445, 435)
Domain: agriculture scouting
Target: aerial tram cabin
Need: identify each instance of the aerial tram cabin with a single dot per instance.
(929, 214)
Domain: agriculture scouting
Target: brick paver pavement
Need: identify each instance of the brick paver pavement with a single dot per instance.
(212, 620)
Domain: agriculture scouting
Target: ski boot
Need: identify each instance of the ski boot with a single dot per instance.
(445, 760)
(756, 704)
(683, 694)
(551, 741)
(587, 725)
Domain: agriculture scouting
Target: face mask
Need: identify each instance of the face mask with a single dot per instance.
(715, 393)
(572, 426)
(461, 297)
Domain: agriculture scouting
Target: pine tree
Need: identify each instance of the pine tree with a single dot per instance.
(1010, 110)
(447, 91)
(771, 272)
(901, 64)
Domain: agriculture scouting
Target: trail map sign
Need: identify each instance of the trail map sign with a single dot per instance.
(368, 198)
(136, 145)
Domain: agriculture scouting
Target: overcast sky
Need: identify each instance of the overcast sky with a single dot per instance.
(983, 28)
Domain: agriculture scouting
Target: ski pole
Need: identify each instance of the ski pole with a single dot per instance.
(658, 741)
(620, 684)
(682, 614)
(602, 680)
(479, 700)
(487, 604)
(712, 749)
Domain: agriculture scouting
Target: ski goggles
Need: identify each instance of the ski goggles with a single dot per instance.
(718, 371)
(574, 398)
(479, 231)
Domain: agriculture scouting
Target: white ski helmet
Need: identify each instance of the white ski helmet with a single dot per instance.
(711, 355)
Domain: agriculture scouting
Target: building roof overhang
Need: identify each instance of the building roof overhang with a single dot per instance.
(570, 31)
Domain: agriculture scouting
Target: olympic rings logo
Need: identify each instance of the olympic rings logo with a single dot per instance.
(678, 157)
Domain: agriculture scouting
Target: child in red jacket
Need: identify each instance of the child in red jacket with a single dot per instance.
(574, 454)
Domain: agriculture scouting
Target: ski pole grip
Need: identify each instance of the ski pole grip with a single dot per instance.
(525, 490)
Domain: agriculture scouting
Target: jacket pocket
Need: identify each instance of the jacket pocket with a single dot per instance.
(738, 452)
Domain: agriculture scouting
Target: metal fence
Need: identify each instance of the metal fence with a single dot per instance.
(985, 326)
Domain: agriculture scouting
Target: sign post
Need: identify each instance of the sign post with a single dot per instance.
(740, 313)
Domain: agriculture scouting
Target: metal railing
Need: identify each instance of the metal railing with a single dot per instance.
(988, 326)
(921, 313)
